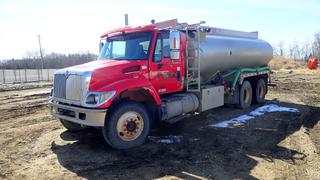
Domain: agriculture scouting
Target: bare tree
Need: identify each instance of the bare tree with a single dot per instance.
(316, 45)
(306, 50)
(278, 48)
(281, 48)
(31, 54)
(295, 50)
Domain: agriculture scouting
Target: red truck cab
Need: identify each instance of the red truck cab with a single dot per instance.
(144, 55)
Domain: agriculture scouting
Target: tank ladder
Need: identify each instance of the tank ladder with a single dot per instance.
(193, 82)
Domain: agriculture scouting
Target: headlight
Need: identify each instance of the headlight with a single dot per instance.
(92, 99)
(99, 98)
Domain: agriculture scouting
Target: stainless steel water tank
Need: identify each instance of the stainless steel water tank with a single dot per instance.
(221, 53)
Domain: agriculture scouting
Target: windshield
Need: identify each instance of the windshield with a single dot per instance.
(131, 46)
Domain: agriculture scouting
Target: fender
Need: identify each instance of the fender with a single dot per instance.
(126, 84)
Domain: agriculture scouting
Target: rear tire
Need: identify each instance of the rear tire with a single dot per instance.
(260, 91)
(127, 126)
(70, 126)
(245, 95)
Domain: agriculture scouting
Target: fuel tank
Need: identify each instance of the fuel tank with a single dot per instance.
(222, 53)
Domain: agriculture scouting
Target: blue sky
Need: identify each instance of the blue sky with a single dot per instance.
(75, 25)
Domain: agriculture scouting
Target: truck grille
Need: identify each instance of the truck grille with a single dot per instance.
(74, 87)
(59, 89)
(69, 88)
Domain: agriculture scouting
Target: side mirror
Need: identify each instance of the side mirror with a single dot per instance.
(175, 45)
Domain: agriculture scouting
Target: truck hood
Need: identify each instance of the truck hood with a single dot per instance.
(104, 73)
(87, 68)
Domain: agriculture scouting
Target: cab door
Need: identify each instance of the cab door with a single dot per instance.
(165, 73)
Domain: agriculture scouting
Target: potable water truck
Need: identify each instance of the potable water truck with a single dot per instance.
(163, 72)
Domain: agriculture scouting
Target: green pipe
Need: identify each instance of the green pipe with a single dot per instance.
(237, 74)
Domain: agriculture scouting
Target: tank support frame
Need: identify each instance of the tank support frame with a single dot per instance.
(240, 74)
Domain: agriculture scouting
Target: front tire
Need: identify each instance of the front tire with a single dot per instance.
(127, 126)
(70, 126)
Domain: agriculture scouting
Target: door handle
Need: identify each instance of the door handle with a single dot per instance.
(160, 66)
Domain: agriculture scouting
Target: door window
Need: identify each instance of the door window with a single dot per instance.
(162, 49)
(157, 56)
(166, 45)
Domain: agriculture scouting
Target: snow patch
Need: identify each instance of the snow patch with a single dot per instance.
(166, 139)
(272, 108)
(194, 139)
(238, 121)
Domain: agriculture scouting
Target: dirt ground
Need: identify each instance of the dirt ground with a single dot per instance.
(278, 145)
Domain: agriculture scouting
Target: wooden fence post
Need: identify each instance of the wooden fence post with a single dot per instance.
(25, 75)
(39, 75)
(19, 75)
(48, 70)
(15, 75)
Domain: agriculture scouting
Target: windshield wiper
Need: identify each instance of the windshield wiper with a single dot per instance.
(119, 58)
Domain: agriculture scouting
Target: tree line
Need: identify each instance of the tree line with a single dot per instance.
(299, 50)
(50, 61)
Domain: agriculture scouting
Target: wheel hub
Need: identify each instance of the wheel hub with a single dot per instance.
(130, 126)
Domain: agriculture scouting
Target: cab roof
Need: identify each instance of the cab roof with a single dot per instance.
(158, 25)
(129, 29)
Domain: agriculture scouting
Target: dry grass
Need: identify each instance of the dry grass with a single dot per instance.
(280, 62)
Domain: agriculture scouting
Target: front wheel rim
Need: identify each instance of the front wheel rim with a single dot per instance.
(130, 126)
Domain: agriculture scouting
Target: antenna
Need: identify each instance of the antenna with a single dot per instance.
(126, 20)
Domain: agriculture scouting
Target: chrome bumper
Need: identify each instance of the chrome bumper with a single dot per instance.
(79, 115)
